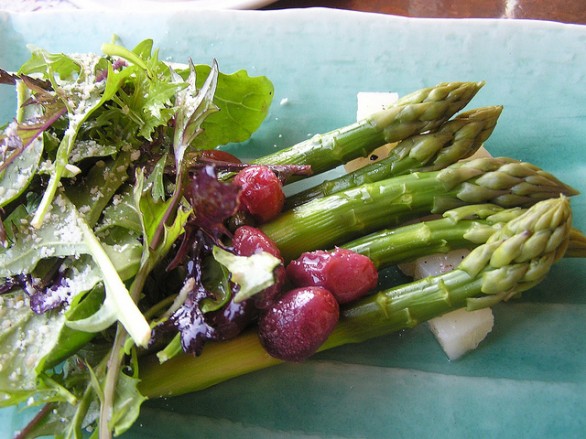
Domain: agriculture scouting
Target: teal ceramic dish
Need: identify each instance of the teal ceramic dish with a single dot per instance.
(528, 378)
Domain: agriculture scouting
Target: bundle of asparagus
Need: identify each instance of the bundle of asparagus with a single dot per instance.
(515, 217)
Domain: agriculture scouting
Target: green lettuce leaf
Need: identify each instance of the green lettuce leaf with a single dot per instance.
(243, 103)
(33, 343)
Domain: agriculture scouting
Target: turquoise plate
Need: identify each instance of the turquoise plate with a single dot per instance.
(528, 379)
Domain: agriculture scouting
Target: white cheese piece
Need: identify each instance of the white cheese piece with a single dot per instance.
(438, 263)
(460, 331)
(371, 102)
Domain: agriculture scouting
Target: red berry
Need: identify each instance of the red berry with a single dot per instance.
(261, 192)
(249, 240)
(347, 274)
(298, 323)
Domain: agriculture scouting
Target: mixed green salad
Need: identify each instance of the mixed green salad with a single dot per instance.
(139, 259)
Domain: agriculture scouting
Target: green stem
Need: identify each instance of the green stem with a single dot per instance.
(117, 356)
(61, 161)
(418, 112)
(219, 362)
(464, 227)
(403, 307)
(335, 219)
(110, 382)
(453, 141)
(404, 244)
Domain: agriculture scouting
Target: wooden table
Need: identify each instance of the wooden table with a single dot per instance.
(566, 11)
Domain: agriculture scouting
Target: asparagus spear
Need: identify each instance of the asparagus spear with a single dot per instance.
(337, 218)
(456, 139)
(514, 259)
(420, 111)
(464, 227)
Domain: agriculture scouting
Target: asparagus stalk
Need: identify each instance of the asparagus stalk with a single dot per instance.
(420, 111)
(515, 258)
(456, 139)
(464, 227)
(337, 218)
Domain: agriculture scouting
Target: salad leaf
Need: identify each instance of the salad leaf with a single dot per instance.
(194, 105)
(118, 302)
(59, 236)
(213, 201)
(16, 168)
(148, 104)
(244, 103)
(100, 184)
(127, 404)
(252, 273)
(74, 81)
(111, 205)
(152, 214)
(67, 234)
(32, 343)
(26, 338)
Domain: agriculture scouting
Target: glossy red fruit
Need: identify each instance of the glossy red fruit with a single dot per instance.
(348, 275)
(298, 323)
(248, 240)
(261, 192)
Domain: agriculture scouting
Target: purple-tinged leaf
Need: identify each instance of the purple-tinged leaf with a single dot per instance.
(15, 141)
(213, 201)
(283, 172)
(189, 319)
(32, 83)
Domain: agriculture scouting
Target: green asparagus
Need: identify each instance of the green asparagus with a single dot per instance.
(464, 227)
(454, 140)
(415, 113)
(514, 259)
(346, 215)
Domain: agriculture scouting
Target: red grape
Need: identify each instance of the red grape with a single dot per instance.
(296, 325)
(261, 192)
(347, 274)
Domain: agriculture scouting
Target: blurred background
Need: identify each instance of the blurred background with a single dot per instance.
(565, 11)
